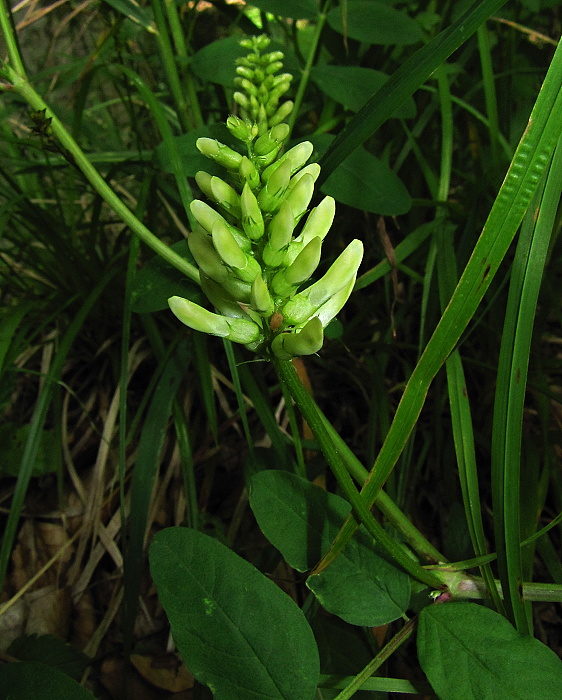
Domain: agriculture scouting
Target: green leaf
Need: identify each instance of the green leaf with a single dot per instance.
(133, 11)
(237, 632)
(192, 160)
(352, 86)
(157, 281)
(216, 62)
(51, 651)
(469, 652)
(13, 441)
(364, 182)
(404, 81)
(297, 9)
(23, 681)
(297, 517)
(375, 23)
(300, 520)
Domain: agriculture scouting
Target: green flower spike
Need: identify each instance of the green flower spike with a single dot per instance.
(251, 263)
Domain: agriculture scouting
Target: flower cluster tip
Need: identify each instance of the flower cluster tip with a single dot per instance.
(251, 263)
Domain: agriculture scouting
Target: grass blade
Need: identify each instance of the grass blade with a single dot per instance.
(403, 83)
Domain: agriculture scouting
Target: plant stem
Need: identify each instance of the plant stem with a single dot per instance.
(11, 40)
(308, 66)
(387, 651)
(170, 68)
(287, 375)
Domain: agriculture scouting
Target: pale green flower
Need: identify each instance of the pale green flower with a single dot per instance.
(251, 263)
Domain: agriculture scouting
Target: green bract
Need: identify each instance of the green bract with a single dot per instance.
(250, 263)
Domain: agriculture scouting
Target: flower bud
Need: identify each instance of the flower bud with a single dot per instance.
(287, 280)
(248, 173)
(317, 224)
(298, 155)
(206, 256)
(281, 79)
(203, 181)
(280, 232)
(304, 304)
(252, 218)
(220, 153)
(226, 196)
(262, 42)
(274, 56)
(282, 113)
(244, 266)
(307, 341)
(198, 318)
(333, 306)
(273, 139)
(260, 298)
(224, 302)
(313, 169)
(241, 99)
(245, 72)
(242, 129)
(205, 215)
(273, 67)
(226, 246)
(247, 85)
(272, 193)
(301, 194)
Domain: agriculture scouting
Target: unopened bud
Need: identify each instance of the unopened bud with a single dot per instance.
(282, 113)
(298, 155)
(226, 196)
(242, 129)
(301, 194)
(252, 218)
(304, 304)
(198, 318)
(280, 232)
(272, 193)
(307, 341)
(220, 153)
(260, 297)
(317, 224)
(248, 173)
(272, 139)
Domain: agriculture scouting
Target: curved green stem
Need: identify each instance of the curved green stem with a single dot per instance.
(384, 654)
(10, 38)
(308, 66)
(169, 63)
(22, 87)
(287, 375)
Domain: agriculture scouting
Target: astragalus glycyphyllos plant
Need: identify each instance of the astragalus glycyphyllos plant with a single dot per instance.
(250, 260)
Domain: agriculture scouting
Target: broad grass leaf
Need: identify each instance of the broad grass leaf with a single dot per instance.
(157, 281)
(361, 587)
(297, 517)
(13, 440)
(375, 23)
(237, 632)
(192, 160)
(364, 182)
(136, 13)
(300, 520)
(216, 62)
(37, 681)
(51, 651)
(352, 86)
(296, 9)
(469, 652)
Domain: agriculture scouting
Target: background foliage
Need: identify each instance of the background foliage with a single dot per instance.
(120, 428)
